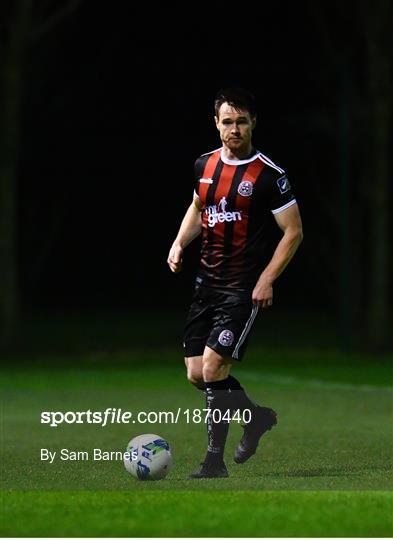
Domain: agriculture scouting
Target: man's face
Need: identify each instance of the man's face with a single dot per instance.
(235, 128)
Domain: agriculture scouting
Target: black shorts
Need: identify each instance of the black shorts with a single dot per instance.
(221, 320)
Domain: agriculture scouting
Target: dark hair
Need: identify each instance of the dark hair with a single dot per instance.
(238, 98)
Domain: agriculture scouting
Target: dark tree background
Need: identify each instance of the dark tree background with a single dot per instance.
(105, 107)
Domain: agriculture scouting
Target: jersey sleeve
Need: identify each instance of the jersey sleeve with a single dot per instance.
(198, 170)
(280, 193)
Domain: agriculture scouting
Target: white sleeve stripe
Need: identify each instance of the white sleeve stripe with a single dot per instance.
(268, 161)
(278, 210)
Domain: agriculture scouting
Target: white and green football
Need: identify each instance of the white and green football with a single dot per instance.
(148, 457)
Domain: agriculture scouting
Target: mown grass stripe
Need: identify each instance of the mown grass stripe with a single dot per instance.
(235, 513)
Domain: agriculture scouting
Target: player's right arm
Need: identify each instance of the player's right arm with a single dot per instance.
(190, 228)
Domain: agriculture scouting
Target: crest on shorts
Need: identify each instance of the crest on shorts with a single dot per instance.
(245, 188)
(226, 338)
(283, 184)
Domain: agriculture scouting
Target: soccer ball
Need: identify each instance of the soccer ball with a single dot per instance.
(149, 457)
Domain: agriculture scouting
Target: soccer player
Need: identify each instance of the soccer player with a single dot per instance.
(239, 193)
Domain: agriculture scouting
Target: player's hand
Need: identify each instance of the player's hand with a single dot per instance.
(175, 258)
(262, 295)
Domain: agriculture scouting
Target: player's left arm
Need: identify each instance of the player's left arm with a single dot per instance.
(290, 223)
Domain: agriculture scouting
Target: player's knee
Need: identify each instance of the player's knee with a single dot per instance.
(211, 370)
(209, 374)
(215, 367)
(195, 377)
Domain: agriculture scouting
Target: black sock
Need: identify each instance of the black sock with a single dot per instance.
(238, 398)
(217, 393)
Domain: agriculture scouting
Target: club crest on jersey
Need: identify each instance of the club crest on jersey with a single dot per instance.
(245, 188)
(226, 338)
(283, 184)
(217, 213)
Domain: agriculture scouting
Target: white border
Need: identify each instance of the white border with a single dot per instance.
(278, 210)
(269, 162)
(237, 161)
(246, 330)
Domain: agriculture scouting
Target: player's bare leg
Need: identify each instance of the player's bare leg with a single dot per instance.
(214, 366)
(194, 367)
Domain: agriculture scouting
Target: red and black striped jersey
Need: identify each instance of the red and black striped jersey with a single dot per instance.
(238, 199)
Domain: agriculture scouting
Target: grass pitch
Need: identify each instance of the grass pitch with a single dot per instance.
(325, 470)
(198, 514)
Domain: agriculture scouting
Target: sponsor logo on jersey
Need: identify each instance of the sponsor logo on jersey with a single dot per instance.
(206, 180)
(217, 213)
(283, 184)
(245, 188)
(226, 338)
